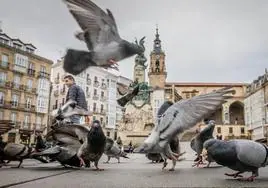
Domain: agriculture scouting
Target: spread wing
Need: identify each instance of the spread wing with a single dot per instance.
(186, 113)
(100, 26)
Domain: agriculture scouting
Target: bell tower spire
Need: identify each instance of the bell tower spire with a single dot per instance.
(157, 73)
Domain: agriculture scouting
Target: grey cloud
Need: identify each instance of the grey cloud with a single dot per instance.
(204, 41)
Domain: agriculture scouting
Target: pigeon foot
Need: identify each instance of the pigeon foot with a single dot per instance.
(235, 175)
(250, 178)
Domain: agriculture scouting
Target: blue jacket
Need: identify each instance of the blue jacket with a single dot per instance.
(77, 94)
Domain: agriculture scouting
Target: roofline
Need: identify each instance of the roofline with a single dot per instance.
(205, 84)
(15, 50)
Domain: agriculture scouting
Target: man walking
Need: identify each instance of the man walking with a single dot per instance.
(77, 94)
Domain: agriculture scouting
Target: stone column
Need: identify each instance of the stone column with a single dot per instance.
(226, 113)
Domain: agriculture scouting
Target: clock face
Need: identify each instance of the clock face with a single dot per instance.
(157, 56)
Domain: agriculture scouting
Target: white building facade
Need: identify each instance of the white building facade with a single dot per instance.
(157, 99)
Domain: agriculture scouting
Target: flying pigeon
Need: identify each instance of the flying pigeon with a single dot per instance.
(174, 144)
(18, 152)
(181, 116)
(198, 141)
(100, 33)
(128, 96)
(239, 155)
(111, 149)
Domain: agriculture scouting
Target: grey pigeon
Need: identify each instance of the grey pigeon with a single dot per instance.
(128, 96)
(181, 116)
(239, 155)
(154, 157)
(18, 152)
(174, 144)
(99, 32)
(198, 141)
(112, 150)
(65, 155)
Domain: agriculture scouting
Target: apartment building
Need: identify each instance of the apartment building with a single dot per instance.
(24, 89)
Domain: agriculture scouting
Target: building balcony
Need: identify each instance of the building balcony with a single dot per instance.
(3, 83)
(42, 74)
(54, 107)
(57, 80)
(103, 86)
(95, 97)
(30, 90)
(19, 69)
(96, 84)
(31, 72)
(15, 105)
(88, 81)
(97, 111)
(26, 126)
(37, 126)
(56, 93)
(4, 65)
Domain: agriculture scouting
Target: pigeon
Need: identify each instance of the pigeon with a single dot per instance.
(62, 115)
(112, 150)
(239, 155)
(65, 155)
(100, 33)
(181, 116)
(154, 157)
(128, 96)
(18, 152)
(173, 143)
(198, 141)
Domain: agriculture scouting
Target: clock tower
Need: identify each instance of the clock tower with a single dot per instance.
(157, 72)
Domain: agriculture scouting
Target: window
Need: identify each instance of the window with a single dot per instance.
(43, 69)
(242, 130)
(29, 84)
(102, 94)
(219, 130)
(94, 118)
(95, 79)
(4, 62)
(38, 122)
(101, 107)
(101, 120)
(26, 121)
(63, 100)
(2, 98)
(17, 81)
(187, 95)
(3, 76)
(15, 100)
(231, 130)
(88, 77)
(94, 107)
(28, 102)
(13, 117)
(31, 66)
(95, 92)
(108, 134)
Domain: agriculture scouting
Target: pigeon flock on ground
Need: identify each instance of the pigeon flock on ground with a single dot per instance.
(76, 145)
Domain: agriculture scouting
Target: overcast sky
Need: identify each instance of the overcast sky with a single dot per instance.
(204, 40)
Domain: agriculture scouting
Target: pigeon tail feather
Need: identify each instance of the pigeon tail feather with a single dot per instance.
(75, 61)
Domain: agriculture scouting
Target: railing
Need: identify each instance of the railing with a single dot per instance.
(103, 86)
(43, 74)
(31, 72)
(99, 111)
(18, 106)
(102, 98)
(4, 65)
(96, 84)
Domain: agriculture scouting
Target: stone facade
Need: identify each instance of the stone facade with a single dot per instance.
(24, 89)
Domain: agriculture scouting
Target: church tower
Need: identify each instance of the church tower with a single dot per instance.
(157, 72)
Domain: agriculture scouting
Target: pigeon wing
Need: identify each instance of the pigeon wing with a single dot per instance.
(187, 113)
(101, 26)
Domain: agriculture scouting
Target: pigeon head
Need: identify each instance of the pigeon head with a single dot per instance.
(96, 124)
(210, 143)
